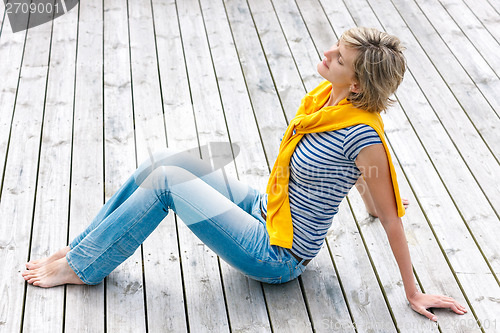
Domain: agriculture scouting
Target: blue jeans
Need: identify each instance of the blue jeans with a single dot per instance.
(223, 212)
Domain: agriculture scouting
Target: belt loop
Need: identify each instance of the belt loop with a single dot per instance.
(300, 263)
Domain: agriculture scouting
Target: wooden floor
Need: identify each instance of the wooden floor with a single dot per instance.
(83, 99)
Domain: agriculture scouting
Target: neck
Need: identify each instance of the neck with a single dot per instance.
(337, 95)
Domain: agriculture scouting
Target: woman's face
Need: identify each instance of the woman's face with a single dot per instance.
(338, 67)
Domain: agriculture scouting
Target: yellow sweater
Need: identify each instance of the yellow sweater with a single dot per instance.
(311, 118)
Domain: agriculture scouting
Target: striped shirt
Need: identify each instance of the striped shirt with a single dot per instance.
(322, 171)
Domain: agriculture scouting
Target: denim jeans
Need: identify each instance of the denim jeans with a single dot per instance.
(223, 212)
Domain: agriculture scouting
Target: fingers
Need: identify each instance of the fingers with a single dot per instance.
(405, 202)
(428, 314)
(454, 305)
(421, 304)
(456, 309)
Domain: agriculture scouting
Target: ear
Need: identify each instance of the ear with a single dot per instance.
(354, 87)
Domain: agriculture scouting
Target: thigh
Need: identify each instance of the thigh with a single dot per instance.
(237, 236)
(210, 171)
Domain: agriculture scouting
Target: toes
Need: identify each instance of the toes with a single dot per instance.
(26, 274)
(30, 265)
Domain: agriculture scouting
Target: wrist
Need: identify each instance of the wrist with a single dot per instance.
(411, 294)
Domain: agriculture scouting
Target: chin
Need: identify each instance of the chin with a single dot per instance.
(320, 70)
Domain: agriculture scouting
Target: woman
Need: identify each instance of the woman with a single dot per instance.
(336, 137)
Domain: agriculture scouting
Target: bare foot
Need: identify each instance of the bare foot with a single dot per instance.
(54, 274)
(34, 264)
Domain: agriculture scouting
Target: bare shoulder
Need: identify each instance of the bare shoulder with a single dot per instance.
(370, 159)
(373, 163)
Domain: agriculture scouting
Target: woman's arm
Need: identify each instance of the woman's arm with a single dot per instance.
(366, 196)
(368, 200)
(373, 163)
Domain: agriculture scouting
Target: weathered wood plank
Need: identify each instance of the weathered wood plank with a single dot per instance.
(447, 119)
(125, 308)
(50, 225)
(478, 69)
(301, 45)
(4, 20)
(435, 202)
(251, 164)
(259, 80)
(148, 110)
(279, 58)
(468, 196)
(450, 113)
(268, 26)
(408, 97)
(474, 31)
(324, 295)
(487, 15)
(202, 280)
(85, 305)
(318, 25)
(20, 177)
(495, 5)
(434, 199)
(432, 206)
(244, 297)
(468, 93)
(402, 319)
(320, 283)
(162, 263)
(19, 184)
(447, 236)
(11, 50)
(147, 104)
(364, 297)
(473, 206)
(427, 259)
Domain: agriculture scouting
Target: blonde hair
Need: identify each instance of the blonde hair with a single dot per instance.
(379, 67)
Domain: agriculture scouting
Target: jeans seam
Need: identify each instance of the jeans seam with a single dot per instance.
(146, 211)
(78, 272)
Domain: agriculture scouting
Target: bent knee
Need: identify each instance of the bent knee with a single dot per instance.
(166, 176)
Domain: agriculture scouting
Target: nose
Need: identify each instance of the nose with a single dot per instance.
(328, 53)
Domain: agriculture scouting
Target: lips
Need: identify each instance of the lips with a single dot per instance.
(324, 63)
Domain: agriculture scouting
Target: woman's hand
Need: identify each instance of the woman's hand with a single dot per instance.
(406, 203)
(420, 302)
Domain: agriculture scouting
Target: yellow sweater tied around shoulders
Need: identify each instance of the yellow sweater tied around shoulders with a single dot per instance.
(312, 118)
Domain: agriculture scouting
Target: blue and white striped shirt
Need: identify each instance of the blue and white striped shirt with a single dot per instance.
(322, 171)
